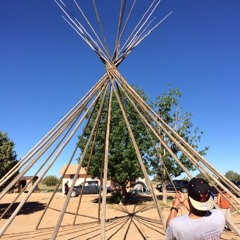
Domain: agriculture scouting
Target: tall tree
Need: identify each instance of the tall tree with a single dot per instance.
(233, 176)
(169, 109)
(8, 157)
(123, 164)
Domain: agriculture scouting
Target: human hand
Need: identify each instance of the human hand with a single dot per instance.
(182, 197)
(176, 201)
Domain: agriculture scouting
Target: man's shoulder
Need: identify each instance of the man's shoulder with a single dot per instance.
(214, 214)
(179, 219)
(217, 216)
(217, 213)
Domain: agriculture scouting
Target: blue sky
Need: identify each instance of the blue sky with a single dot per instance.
(46, 68)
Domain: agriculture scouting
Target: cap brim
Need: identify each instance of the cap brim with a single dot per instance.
(202, 206)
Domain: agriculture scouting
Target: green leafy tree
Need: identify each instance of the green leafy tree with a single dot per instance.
(200, 175)
(233, 176)
(8, 157)
(50, 181)
(169, 109)
(123, 164)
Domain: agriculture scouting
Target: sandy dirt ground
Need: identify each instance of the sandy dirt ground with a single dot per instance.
(132, 222)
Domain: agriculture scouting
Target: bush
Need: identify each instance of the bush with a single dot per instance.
(50, 181)
(115, 198)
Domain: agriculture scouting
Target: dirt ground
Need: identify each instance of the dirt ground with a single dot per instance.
(132, 222)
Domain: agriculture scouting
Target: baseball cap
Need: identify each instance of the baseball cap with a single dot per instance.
(199, 193)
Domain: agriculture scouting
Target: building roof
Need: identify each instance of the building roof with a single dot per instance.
(28, 177)
(72, 169)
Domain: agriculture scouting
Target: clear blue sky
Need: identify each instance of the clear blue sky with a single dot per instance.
(45, 68)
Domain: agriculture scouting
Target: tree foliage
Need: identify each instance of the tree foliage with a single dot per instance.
(233, 176)
(200, 175)
(123, 164)
(8, 157)
(169, 109)
(50, 181)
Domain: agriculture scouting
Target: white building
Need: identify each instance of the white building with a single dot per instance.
(70, 173)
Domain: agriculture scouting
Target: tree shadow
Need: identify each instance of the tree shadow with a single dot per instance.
(160, 197)
(28, 208)
(136, 199)
(122, 225)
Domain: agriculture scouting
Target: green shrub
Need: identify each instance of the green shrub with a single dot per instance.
(115, 198)
(50, 181)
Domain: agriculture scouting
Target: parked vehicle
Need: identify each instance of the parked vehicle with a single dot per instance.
(109, 188)
(237, 183)
(139, 188)
(180, 185)
(90, 187)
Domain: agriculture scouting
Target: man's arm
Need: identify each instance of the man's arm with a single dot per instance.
(174, 209)
(184, 200)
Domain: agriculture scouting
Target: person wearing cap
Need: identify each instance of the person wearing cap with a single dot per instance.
(203, 222)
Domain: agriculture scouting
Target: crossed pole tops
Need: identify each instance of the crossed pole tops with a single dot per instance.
(99, 45)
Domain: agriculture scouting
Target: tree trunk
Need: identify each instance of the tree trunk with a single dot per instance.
(124, 195)
(164, 190)
(124, 191)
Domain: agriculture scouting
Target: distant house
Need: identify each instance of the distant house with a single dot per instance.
(70, 173)
(26, 181)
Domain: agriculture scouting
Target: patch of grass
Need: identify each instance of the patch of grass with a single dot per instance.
(45, 188)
